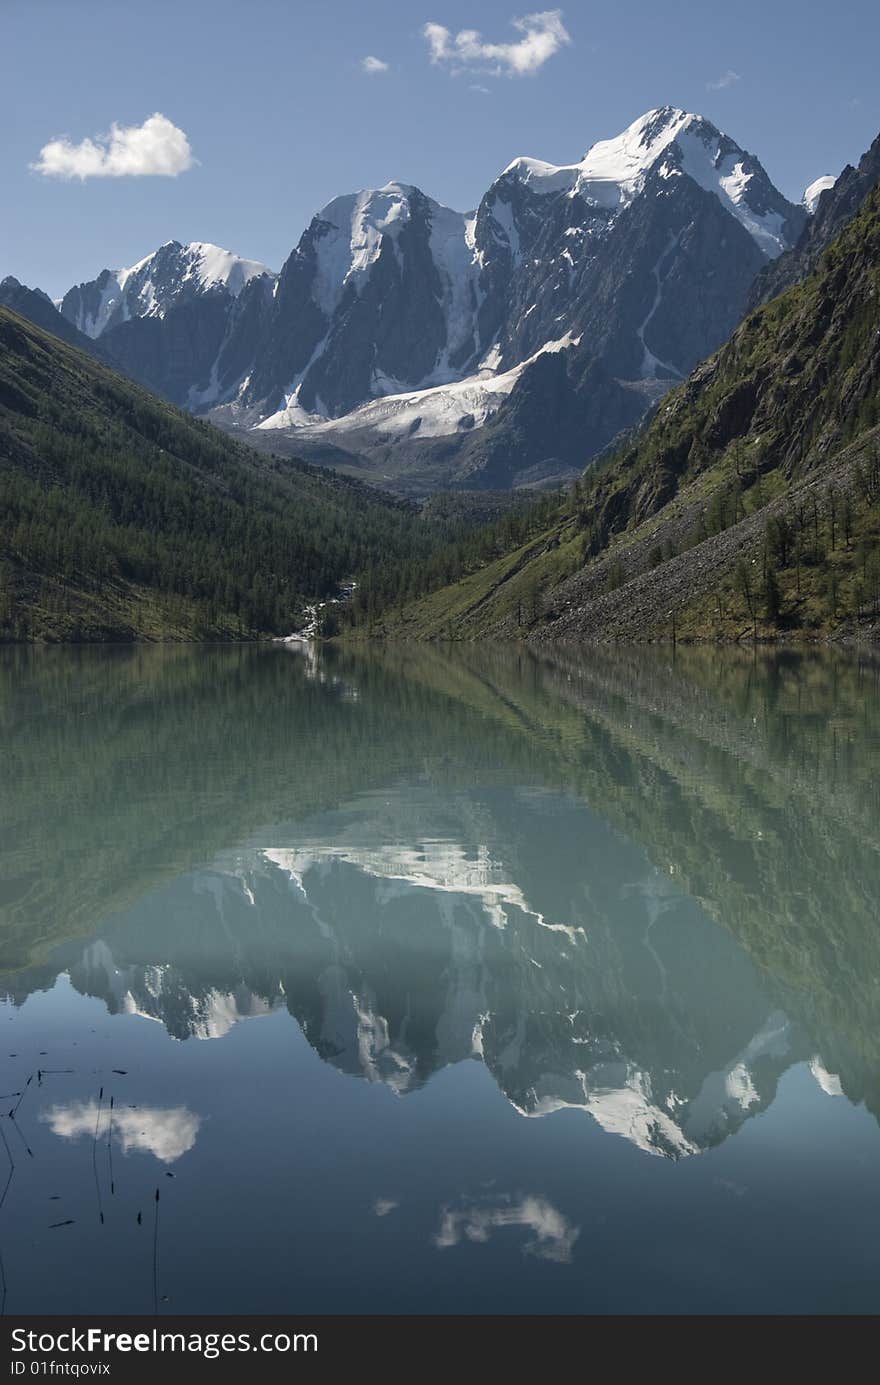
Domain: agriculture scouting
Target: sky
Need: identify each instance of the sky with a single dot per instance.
(127, 123)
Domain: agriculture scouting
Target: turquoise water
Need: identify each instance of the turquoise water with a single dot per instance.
(439, 981)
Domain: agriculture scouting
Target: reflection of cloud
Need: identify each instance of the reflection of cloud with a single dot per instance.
(383, 1205)
(553, 1235)
(166, 1132)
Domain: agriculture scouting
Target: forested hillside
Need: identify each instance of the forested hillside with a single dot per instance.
(122, 517)
(750, 506)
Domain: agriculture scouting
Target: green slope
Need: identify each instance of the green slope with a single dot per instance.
(122, 517)
(750, 505)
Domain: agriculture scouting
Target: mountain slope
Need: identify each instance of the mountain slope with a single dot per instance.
(835, 207)
(39, 309)
(751, 504)
(123, 517)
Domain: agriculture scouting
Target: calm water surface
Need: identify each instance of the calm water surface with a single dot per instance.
(439, 981)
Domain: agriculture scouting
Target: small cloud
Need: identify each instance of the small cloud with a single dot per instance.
(156, 149)
(383, 1205)
(543, 34)
(475, 86)
(727, 79)
(375, 66)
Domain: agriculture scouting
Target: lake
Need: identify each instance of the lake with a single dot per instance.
(439, 980)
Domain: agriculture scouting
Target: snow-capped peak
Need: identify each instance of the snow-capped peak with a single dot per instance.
(674, 143)
(199, 262)
(625, 161)
(812, 193)
(149, 287)
(213, 265)
(352, 229)
(613, 170)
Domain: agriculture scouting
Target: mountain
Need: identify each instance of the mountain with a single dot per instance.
(750, 505)
(164, 321)
(126, 518)
(832, 203)
(39, 309)
(409, 342)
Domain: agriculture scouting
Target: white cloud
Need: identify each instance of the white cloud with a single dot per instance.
(543, 34)
(375, 66)
(553, 1236)
(727, 79)
(155, 149)
(166, 1132)
(383, 1205)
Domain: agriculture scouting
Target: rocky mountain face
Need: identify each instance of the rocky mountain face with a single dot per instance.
(406, 340)
(165, 321)
(832, 206)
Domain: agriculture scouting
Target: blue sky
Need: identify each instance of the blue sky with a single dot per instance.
(280, 115)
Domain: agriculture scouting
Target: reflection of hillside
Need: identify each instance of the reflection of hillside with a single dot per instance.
(124, 766)
(755, 782)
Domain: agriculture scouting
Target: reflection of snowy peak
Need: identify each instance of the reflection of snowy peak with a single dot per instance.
(401, 955)
(159, 993)
(440, 866)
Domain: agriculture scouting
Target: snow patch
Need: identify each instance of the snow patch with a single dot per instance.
(430, 413)
(812, 193)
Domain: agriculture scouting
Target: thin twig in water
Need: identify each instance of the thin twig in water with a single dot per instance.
(20, 1133)
(22, 1096)
(110, 1150)
(11, 1165)
(95, 1157)
(2, 1200)
(156, 1259)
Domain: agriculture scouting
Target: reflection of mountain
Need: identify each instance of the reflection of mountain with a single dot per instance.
(636, 958)
(600, 988)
